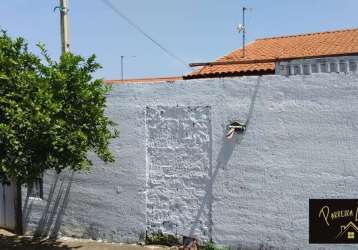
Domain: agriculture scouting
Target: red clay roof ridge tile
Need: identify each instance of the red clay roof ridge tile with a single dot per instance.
(308, 34)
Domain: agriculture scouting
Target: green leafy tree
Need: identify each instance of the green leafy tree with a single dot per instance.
(51, 113)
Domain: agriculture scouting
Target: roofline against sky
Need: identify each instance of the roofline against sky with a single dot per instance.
(265, 60)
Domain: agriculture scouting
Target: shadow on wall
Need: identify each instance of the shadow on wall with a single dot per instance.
(227, 148)
(54, 209)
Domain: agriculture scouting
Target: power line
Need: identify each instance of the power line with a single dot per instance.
(140, 30)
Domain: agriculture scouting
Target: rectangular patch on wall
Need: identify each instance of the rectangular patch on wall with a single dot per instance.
(178, 170)
(333, 221)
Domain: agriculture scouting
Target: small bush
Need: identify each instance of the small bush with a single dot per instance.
(211, 246)
(161, 239)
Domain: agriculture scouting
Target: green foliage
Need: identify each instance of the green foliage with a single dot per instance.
(51, 113)
(161, 239)
(211, 246)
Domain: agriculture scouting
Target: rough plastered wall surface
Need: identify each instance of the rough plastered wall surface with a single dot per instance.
(300, 143)
(179, 168)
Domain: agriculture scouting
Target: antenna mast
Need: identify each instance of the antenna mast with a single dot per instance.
(243, 31)
(242, 28)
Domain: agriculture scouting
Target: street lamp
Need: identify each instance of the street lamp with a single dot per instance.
(122, 65)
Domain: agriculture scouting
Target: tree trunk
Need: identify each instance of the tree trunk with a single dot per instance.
(18, 210)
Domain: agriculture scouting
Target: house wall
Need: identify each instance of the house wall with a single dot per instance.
(177, 172)
(317, 65)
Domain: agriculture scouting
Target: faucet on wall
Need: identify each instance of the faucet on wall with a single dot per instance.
(235, 127)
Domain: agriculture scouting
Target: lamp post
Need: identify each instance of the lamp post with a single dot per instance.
(122, 65)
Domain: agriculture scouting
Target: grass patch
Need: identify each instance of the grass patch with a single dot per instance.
(161, 239)
(211, 246)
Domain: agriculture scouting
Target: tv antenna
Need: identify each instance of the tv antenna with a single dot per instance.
(242, 29)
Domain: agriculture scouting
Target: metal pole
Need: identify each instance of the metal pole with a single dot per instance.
(65, 33)
(19, 229)
(122, 57)
(122, 65)
(244, 31)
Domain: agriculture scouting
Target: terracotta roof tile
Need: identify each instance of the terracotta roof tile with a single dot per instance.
(232, 69)
(169, 79)
(270, 50)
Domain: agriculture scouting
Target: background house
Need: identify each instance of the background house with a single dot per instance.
(302, 54)
(332, 51)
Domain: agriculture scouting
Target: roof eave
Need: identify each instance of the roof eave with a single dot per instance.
(230, 74)
(269, 60)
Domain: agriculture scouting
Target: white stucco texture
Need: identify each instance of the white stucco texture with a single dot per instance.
(175, 171)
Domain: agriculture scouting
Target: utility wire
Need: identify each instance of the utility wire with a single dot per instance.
(140, 30)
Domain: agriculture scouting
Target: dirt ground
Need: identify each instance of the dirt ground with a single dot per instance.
(9, 241)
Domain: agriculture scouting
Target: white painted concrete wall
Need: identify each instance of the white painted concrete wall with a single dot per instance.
(301, 142)
(7, 206)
